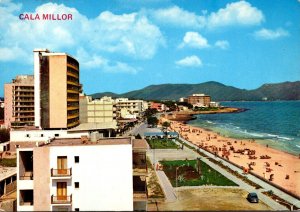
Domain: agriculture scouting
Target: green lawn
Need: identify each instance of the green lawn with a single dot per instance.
(162, 144)
(8, 162)
(188, 176)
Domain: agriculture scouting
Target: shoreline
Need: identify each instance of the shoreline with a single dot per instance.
(277, 166)
(188, 115)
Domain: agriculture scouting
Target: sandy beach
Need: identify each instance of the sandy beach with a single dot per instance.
(279, 167)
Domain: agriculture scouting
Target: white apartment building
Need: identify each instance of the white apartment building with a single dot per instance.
(133, 107)
(78, 174)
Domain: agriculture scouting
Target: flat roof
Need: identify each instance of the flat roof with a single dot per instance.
(140, 144)
(6, 172)
(94, 126)
(82, 142)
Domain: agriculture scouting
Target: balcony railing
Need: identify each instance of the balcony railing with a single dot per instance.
(140, 169)
(61, 199)
(61, 172)
(140, 195)
(28, 175)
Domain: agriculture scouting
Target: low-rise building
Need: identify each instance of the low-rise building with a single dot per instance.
(199, 100)
(83, 174)
(8, 180)
(133, 107)
(158, 106)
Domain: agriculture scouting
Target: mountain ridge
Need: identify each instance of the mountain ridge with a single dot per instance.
(218, 92)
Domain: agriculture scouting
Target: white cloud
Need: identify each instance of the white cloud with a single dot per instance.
(268, 34)
(130, 35)
(237, 13)
(179, 17)
(98, 62)
(194, 40)
(190, 61)
(222, 44)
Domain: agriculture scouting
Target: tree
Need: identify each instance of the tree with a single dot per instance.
(152, 120)
(165, 126)
(149, 112)
(4, 135)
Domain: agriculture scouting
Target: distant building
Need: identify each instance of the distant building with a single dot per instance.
(214, 104)
(56, 90)
(83, 174)
(183, 99)
(158, 106)
(19, 102)
(199, 100)
(130, 108)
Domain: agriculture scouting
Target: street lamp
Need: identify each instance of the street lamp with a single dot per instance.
(176, 176)
(291, 205)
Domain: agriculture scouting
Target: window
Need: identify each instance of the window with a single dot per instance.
(76, 209)
(76, 158)
(76, 184)
(42, 135)
(56, 135)
(27, 135)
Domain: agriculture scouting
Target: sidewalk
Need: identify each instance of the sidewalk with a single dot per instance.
(266, 187)
(166, 186)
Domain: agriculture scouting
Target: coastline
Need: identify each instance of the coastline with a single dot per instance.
(282, 168)
(189, 114)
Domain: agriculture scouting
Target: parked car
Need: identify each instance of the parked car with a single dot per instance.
(252, 197)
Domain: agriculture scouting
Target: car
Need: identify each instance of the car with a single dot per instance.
(252, 197)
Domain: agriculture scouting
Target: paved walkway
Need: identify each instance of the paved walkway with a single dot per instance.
(166, 186)
(265, 186)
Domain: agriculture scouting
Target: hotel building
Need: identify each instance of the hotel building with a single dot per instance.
(19, 102)
(199, 100)
(82, 174)
(129, 108)
(56, 90)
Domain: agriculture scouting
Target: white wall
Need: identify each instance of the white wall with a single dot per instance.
(36, 135)
(104, 173)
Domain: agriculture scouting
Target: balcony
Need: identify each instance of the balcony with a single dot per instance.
(140, 169)
(140, 195)
(61, 200)
(27, 175)
(61, 173)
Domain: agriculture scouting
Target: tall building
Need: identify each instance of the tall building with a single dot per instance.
(56, 90)
(19, 102)
(199, 100)
(82, 174)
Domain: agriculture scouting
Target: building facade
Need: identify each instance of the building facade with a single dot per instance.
(19, 102)
(98, 110)
(78, 174)
(199, 100)
(129, 108)
(56, 90)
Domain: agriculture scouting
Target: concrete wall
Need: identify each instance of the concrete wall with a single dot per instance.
(41, 174)
(42, 135)
(58, 91)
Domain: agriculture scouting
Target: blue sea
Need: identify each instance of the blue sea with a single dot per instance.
(274, 123)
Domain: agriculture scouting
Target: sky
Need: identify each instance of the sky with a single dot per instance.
(124, 45)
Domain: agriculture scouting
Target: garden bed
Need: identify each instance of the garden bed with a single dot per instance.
(187, 174)
(162, 144)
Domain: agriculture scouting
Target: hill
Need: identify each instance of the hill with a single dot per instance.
(218, 92)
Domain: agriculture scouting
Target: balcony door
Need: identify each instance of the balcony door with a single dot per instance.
(62, 191)
(62, 165)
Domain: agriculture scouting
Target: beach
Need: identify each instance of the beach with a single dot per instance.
(276, 166)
